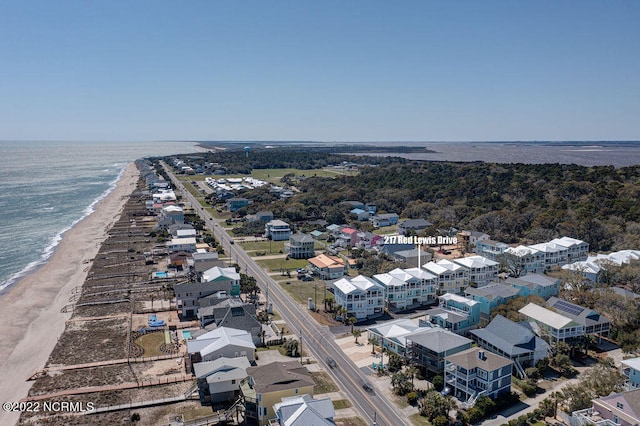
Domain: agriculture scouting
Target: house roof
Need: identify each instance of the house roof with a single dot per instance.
(219, 338)
(545, 316)
(221, 367)
(396, 330)
(632, 362)
(583, 316)
(278, 376)
(459, 299)
(220, 273)
(532, 281)
(326, 261)
(348, 230)
(304, 410)
(420, 273)
(438, 339)
(567, 242)
(389, 280)
(625, 404)
(493, 243)
(302, 238)
(510, 337)
(549, 247)
(493, 291)
(583, 267)
(475, 262)
(415, 223)
(470, 359)
(522, 250)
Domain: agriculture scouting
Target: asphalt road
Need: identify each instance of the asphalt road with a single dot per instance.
(316, 340)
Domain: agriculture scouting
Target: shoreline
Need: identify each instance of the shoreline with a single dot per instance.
(30, 311)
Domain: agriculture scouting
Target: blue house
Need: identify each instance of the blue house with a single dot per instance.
(631, 370)
(455, 313)
(491, 296)
(360, 214)
(535, 284)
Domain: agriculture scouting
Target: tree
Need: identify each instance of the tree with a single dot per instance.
(512, 262)
(411, 371)
(352, 321)
(400, 383)
(291, 347)
(356, 333)
(434, 404)
(372, 342)
(438, 382)
(395, 362)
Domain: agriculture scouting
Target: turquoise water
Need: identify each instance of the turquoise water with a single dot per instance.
(48, 187)
(186, 334)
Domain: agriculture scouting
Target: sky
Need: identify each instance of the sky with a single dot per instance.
(356, 70)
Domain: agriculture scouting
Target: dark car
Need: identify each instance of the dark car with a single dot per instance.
(367, 386)
(331, 362)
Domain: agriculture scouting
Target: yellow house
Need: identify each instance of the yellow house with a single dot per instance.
(266, 385)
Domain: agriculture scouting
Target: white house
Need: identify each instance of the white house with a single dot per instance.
(482, 271)
(362, 296)
(219, 380)
(451, 277)
(222, 342)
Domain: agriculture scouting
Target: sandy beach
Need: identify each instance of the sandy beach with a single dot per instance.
(30, 314)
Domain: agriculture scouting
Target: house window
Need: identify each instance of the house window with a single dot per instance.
(619, 405)
(233, 381)
(616, 419)
(296, 391)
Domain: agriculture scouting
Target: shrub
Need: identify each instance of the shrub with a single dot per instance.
(440, 421)
(412, 398)
(438, 383)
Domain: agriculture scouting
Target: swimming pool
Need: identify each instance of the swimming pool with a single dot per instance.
(186, 334)
(160, 274)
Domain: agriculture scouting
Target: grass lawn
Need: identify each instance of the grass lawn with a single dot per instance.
(352, 421)
(276, 246)
(324, 383)
(151, 342)
(301, 291)
(341, 403)
(276, 265)
(419, 420)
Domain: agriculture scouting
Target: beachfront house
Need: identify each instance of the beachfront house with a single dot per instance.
(214, 280)
(221, 342)
(304, 411)
(392, 335)
(268, 384)
(219, 380)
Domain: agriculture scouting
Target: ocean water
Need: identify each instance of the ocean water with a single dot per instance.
(618, 154)
(48, 187)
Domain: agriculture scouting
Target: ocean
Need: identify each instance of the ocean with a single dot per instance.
(48, 187)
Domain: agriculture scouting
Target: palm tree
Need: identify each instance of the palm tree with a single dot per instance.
(356, 333)
(412, 370)
(352, 321)
(372, 342)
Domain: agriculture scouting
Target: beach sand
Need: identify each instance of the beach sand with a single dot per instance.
(30, 317)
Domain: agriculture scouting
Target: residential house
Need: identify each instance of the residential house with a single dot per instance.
(412, 257)
(268, 384)
(277, 230)
(405, 288)
(185, 233)
(328, 267)
(360, 214)
(428, 347)
(304, 411)
(512, 340)
(236, 203)
(490, 249)
(589, 270)
(391, 335)
(231, 312)
(347, 237)
(455, 313)
(631, 370)
(219, 380)
(476, 372)
(263, 216)
(535, 284)
(451, 277)
(525, 260)
(170, 215)
(482, 271)
(491, 296)
(173, 229)
(181, 244)
(216, 279)
(362, 296)
(221, 342)
(319, 235)
(618, 409)
(205, 261)
(371, 208)
(179, 260)
(577, 249)
(384, 219)
(391, 249)
(548, 323)
(301, 246)
(592, 322)
(555, 255)
(469, 239)
(412, 225)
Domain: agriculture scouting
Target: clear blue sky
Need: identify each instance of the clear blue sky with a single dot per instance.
(345, 70)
